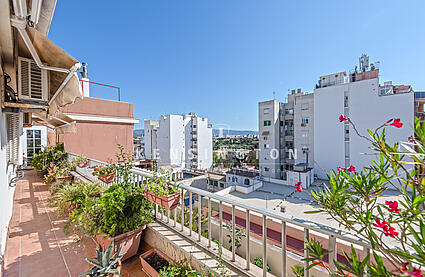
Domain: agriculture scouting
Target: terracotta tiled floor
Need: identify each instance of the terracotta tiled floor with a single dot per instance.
(37, 245)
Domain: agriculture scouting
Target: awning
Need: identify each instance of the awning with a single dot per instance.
(61, 123)
(265, 133)
(64, 87)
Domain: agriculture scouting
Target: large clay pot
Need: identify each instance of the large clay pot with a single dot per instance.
(108, 178)
(146, 266)
(114, 275)
(129, 242)
(168, 202)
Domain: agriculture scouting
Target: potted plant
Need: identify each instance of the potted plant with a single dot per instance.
(105, 173)
(153, 261)
(50, 155)
(107, 263)
(119, 215)
(162, 191)
(81, 161)
(63, 174)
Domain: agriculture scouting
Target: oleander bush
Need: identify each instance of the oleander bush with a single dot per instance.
(354, 200)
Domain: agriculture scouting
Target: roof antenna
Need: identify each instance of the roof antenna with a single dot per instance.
(274, 95)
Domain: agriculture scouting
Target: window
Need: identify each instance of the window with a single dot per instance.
(281, 123)
(304, 121)
(215, 184)
(304, 107)
(211, 182)
(246, 181)
(266, 111)
(267, 123)
(266, 146)
(266, 169)
(221, 185)
(304, 134)
(265, 138)
(33, 143)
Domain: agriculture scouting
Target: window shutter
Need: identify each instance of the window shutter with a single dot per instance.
(12, 138)
(32, 83)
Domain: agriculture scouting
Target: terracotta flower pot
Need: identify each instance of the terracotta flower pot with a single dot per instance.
(146, 266)
(129, 242)
(83, 163)
(168, 202)
(108, 178)
(64, 179)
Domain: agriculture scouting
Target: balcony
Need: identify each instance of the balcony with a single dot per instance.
(36, 240)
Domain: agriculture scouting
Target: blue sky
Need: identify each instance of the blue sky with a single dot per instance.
(219, 58)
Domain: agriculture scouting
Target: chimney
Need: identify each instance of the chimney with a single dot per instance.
(293, 91)
(85, 85)
(299, 90)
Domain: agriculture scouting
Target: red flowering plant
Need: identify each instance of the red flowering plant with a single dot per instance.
(103, 169)
(395, 228)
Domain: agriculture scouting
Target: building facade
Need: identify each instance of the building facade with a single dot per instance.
(183, 140)
(368, 104)
(286, 131)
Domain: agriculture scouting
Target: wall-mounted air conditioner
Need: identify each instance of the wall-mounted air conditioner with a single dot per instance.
(32, 81)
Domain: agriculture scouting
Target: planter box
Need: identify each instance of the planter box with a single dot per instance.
(64, 179)
(82, 164)
(168, 202)
(109, 178)
(147, 268)
(129, 242)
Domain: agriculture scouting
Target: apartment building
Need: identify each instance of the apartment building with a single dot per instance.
(183, 140)
(369, 104)
(286, 138)
(420, 104)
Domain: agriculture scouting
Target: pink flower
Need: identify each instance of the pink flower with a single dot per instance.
(145, 188)
(403, 267)
(393, 206)
(380, 224)
(388, 230)
(298, 186)
(351, 168)
(96, 169)
(411, 139)
(340, 169)
(343, 118)
(395, 122)
(415, 273)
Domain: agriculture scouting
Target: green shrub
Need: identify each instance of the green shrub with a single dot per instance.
(180, 270)
(117, 211)
(161, 185)
(259, 262)
(50, 155)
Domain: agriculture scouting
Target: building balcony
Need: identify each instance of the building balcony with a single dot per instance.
(36, 240)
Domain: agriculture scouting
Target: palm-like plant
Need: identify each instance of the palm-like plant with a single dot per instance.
(105, 263)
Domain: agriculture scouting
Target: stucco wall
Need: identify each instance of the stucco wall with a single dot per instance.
(95, 139)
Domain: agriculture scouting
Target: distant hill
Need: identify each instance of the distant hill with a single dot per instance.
(234, 132)
(139, 132)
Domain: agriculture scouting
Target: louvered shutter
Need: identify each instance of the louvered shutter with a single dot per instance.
(32, 82)
(12, 146)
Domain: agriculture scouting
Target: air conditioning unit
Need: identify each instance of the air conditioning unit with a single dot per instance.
(32, 81)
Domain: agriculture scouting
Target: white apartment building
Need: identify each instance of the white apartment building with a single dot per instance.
(286, 139)
(305, 132)
(182, 140)
(368, 104)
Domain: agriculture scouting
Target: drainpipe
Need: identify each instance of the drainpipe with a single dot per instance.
(35, 11)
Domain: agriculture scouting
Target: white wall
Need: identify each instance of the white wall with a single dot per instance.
(367, 110)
